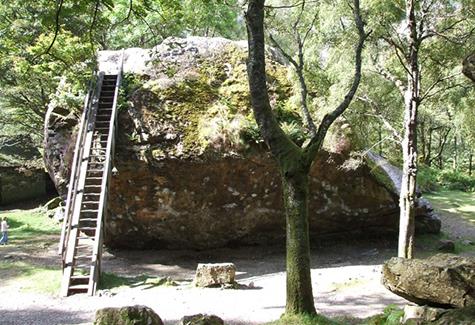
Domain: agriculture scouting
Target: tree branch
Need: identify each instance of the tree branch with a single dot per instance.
(56, 31)
(316, 142)
(377, 114)
(276, 139)
(439, 80)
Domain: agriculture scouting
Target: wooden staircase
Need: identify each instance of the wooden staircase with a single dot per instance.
(86, 205)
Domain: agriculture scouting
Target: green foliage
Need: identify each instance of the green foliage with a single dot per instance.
(430, 179)
(304, 320)
(392, 315)
(455, 180)
(294, 131)
(427, 179)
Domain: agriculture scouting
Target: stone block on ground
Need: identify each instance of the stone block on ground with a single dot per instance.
(128, 315)
(446, 246)
(201, 319)
(421, 314)
(443, 280)
(212, 275)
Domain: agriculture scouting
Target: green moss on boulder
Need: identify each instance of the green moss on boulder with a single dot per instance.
(129, 315)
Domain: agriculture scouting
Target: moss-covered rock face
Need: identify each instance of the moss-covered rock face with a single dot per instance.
(192, 170)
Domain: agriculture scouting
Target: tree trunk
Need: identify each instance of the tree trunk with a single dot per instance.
(291, 161)
(455, 162)
(299, 283)
(470, 163)
(422, 138)
(428, 159)
(407, 199)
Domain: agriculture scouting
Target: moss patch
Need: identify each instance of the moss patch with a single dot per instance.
(203, 106)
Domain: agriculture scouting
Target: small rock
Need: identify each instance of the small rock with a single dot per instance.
(468, 243)
(201, 319)
(420, 314)
(53, 203)
(371, 252)
(58, 214)
(8, 257)
(446, 246)
(105, 293)
(127, 316)
(212, 275)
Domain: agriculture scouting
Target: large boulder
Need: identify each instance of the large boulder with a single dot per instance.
(443, 280)
(191, 169)
(129, 315)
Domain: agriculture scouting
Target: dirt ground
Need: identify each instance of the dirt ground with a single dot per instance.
(345, 275)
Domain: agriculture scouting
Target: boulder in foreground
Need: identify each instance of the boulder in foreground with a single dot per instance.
(443, 280)
(129, 315)
(201, 319)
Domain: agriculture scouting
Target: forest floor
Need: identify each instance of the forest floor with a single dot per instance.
(345, 275)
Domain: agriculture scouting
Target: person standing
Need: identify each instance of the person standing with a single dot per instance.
(4, 231)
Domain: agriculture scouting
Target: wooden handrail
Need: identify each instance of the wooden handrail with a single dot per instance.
(78, 149)
(102, 209)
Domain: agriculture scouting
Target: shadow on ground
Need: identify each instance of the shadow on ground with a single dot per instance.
(251, 261)
(41, 316)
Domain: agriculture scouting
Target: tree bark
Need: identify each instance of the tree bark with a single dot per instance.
(470, 163)
(299, 284)
(407, 199)
(455, 162)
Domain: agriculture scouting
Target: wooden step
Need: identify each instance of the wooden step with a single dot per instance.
(79, 277)
(83, 256)
(88, 220)
(79, 287)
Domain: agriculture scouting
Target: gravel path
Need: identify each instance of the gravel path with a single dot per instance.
(346, 280)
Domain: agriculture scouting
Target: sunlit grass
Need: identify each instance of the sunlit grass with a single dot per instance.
(29, 230)
(454, 202)
(30, 278)
(29, 225)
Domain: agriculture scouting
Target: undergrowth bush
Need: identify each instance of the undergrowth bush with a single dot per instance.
(427, 179)
(455, 180)
(430, 179)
